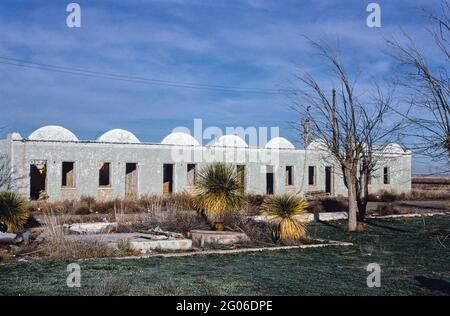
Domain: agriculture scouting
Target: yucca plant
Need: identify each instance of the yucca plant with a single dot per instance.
(13, 210)
(282, 210)
(218, 190)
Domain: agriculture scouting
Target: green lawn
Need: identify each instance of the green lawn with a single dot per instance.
(412, 259)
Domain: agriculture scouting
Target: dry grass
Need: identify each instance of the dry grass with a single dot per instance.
(175, 221)
(57, 247)
(125, 248)
(88, 205)
(386, 209)
(414, 195)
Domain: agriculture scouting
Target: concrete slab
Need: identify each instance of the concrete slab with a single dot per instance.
(7, 237)
(139, 241)
(310, 217)
(90, 228)
(203, 238)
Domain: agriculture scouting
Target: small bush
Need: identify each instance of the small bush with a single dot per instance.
(328, 204)
(126, 248)
(282, 210)
(13, 210)
(386, 209)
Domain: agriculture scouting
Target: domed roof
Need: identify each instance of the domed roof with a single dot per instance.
(53, 132)
(317, 145)
(230, 141)
(279, 143)
(393, 148)
(179, 138)
(118, 136)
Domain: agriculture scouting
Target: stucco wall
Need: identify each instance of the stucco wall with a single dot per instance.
(151, 157)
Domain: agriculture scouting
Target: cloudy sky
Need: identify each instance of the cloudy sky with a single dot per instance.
(251, 45)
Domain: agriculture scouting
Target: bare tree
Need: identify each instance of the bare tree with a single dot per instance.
(426, 80)
(6, 173)
(350, 131)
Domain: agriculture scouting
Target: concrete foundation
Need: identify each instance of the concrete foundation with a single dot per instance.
(202, 238)
(140, 241)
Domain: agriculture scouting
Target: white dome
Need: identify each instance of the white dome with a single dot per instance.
(393, 148)
(118, 136)
(279, 143)
(179, 138)
(15, 136)
(53, 132)
(317, 145)
(230, 141)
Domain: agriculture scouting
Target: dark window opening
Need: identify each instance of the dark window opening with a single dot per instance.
(386, 175)
(289, 175)
(104, 175)
(167, 178)
(68, 174)
(312, 175)
(269, 180)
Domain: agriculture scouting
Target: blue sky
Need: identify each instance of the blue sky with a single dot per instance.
(242, 43)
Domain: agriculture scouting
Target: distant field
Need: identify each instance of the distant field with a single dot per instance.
(413, 253)
(430, 183)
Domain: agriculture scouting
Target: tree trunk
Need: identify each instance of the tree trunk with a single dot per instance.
(363, 195)
(352, 202)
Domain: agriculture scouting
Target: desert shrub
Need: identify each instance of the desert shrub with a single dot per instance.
(282, 210)
(179, 202)
(259, 232)
(218, 190)
(13, 210)
(327, 204)
(254, 202)
(385, 196)
(386, 209)
(125, 248)
(152, 202)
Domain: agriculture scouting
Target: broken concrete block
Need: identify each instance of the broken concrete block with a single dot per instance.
(204, 238)
(7, 237)
(90, 228)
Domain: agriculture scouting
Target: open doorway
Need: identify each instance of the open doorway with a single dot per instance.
(38, 180)
(269, 180)
(167, 178)
(131, 180)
